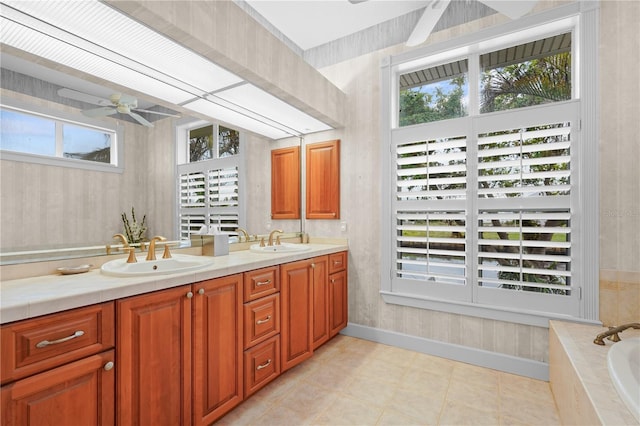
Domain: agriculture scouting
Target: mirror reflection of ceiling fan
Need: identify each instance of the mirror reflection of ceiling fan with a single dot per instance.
(434, 10)
(117, 103)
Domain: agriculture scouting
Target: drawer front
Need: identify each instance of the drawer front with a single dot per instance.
(337, 262)
(261, 365)
(35, 345)
(261, 282)
(261, 320)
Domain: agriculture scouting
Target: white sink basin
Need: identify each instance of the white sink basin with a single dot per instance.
(177, 263)
(282, 248)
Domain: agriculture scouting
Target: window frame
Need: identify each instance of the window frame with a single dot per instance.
(61, 118)
(582, 20)
(183, 165)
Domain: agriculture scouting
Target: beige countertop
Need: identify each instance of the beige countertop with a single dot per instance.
(35, 296)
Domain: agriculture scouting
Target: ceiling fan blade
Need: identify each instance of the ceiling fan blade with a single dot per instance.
(99, 112)
(140, 120)
(83, 97)
(511, 9)
(427, 22)
(148, 111)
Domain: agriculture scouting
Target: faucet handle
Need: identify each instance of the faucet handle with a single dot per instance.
(166, 254)
(278, 240)
(132, 255)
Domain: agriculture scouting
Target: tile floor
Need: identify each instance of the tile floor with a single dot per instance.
(352, 381)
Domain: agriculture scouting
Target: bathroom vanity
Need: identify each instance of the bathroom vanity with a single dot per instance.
(173, 349)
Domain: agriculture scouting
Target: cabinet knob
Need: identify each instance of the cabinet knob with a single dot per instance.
(332, 280)
(189, 294)
(108, 366)
(313, 265)
(201, 291)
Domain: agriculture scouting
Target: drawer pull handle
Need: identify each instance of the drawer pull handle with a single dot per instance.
(267, 319)
(46, 343)
(261, 283)
(337, 262)
(265, 365)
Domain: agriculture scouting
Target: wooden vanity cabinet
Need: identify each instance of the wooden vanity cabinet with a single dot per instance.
(323, 180)
(320, 294)
(285, 183)
(338, 293)
(261, 328)
(297, 312)
(180, 354)
(58, 368)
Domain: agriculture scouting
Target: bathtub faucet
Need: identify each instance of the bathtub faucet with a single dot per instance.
(612, 333)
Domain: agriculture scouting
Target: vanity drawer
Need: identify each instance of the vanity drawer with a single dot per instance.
(261, 282)
(261, 319)
(337, 262)
(261, 365)
(34, 345)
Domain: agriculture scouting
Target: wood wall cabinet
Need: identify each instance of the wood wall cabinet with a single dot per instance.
(285, 183)
(323, 180)
(58, 369)
(157, 382)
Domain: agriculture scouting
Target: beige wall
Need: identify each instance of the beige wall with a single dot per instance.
(619, 162)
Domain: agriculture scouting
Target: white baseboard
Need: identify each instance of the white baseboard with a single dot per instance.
(480, 357)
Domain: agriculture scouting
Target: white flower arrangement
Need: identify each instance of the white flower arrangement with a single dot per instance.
(134, 231)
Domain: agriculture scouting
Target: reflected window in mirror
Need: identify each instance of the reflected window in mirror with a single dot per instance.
(210, 179)
(42, 137)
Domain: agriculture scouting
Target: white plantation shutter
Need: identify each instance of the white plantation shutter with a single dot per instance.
(507, 239)
(524, 209)
(430, 226)
(209, 196)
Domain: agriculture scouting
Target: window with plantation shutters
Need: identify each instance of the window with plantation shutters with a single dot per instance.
(484, 205)
(209, 184)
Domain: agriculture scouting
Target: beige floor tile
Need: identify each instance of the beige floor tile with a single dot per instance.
(283, 416)
(393, 417)
(520, 410)
(246, 413)
(308, 399)
(433, 364)
(331, 377)
(470, 394)
(349, 411)
(417, 406)
(393, 355)
(511, 384)
(392, 373)
(425, 383)
(371, 389)
(276, 390)
(455, 413)
(480, 376)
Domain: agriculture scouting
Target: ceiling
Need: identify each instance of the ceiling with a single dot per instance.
(313, 23)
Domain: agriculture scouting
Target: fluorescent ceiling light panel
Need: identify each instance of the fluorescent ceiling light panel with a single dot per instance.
(49, 48)
(268, 105)
(211, 109)
(105, 27)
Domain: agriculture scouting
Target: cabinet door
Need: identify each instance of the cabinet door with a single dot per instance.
(323, 180)
(320, 290)
(153, 348)
(338, 303)
(285, 183)
(79, 393)
(217, 356)
(297, 313)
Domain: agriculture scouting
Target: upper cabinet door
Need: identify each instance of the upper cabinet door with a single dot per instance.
(285, 183)
(323, 180)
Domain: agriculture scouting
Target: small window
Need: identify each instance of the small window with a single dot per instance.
(433, 94)
(204, 146)
(24, 132)
(528, 74)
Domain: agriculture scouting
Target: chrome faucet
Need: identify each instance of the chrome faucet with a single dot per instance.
(244, 233)
(270, 243)
(151, 255)
(612, 333)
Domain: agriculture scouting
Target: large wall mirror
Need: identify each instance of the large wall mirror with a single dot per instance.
(76, 211)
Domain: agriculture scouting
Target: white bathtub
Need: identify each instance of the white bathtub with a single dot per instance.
(623, 361)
